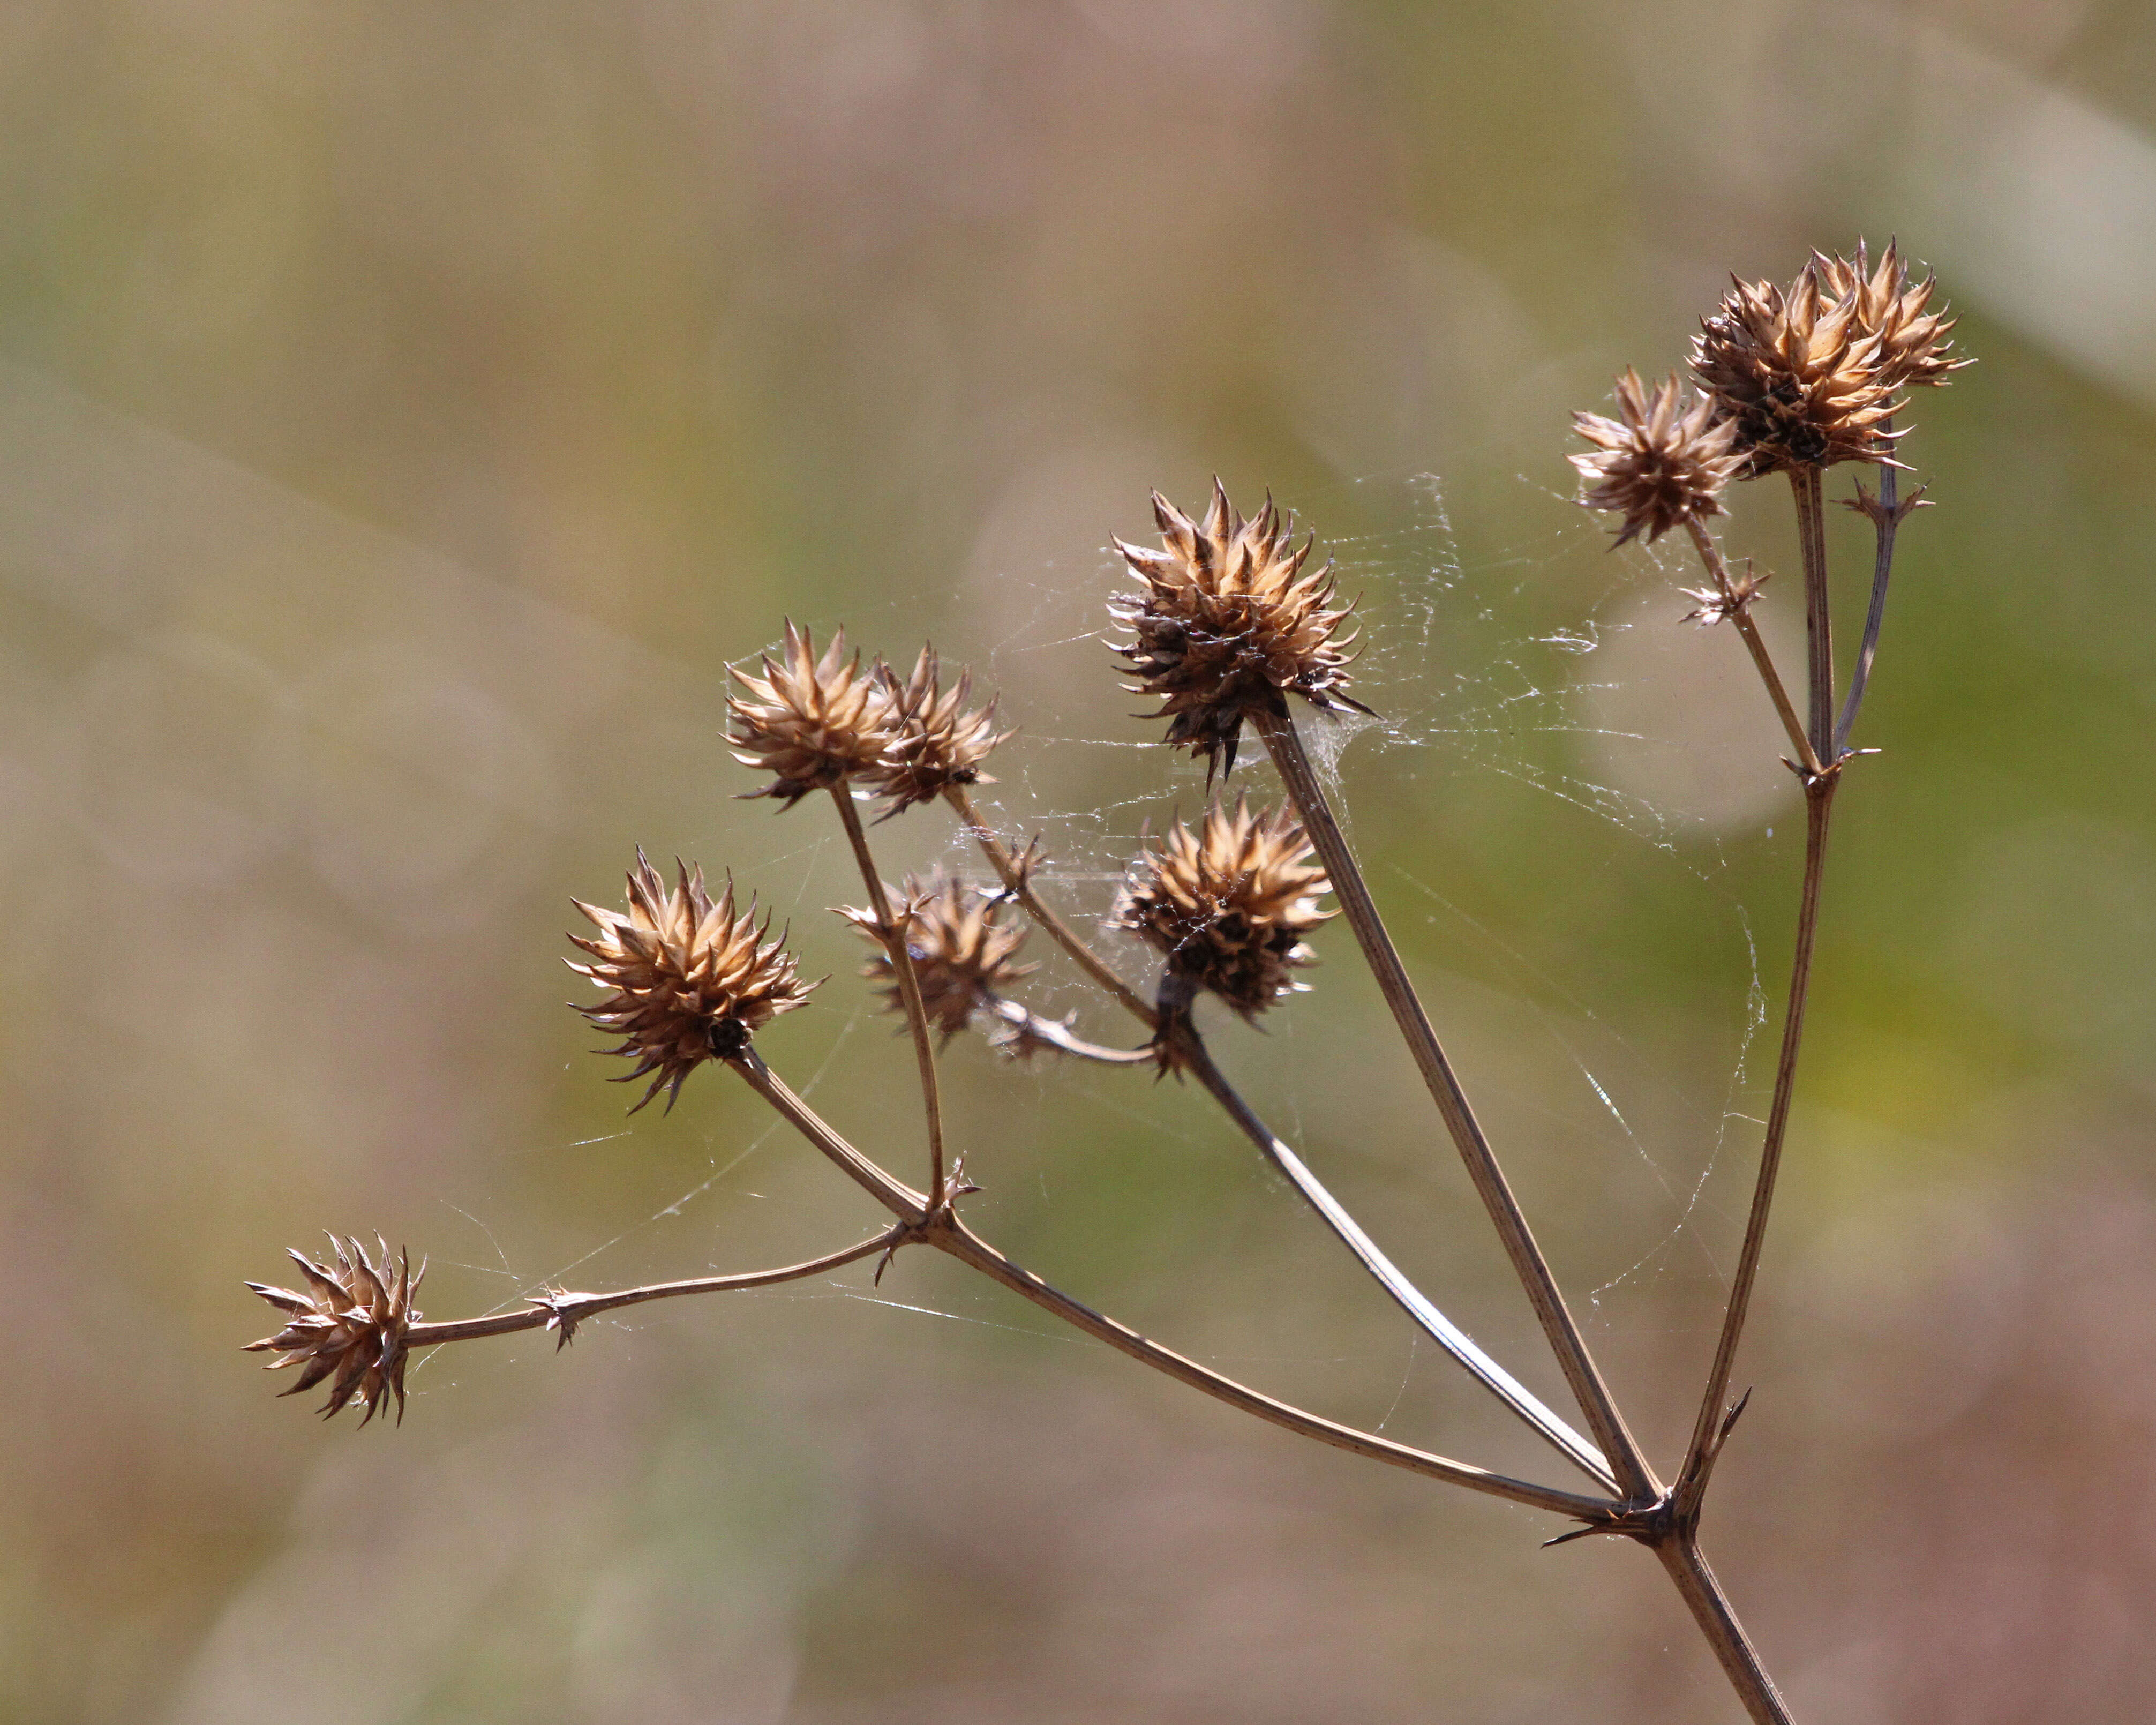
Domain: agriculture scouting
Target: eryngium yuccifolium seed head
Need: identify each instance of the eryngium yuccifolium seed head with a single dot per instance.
(810, 722)
(687, 980)
(1226, 624)
(1798, 373)
(964, 955)
(1662, 462)
(932, 741)
(1228, 905)
(1913, 348)
(350, 1324)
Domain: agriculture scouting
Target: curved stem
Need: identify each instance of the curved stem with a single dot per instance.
(1529, 1264)
(1886, 512)
(1440, 1329)
(943, 1230)
(909, 988)
(566, 1311)
(1058, 1036)
(1020, 888)
(1706, 1429)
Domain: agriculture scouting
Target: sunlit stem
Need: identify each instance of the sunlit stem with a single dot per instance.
(1804, 482)
(1529, 1264)
(909, 988)
(1739, 612)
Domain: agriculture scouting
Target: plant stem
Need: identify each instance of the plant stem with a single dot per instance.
(1699, 1454)
(566, 1311)
(909, 988)
(1529, 1264)
(1818, 628)
(1058, 1037)
(943, 1230)
(1688, 1566)
(1717, 571)
(1440, 1329)
(1886, 512)
(1017, 884)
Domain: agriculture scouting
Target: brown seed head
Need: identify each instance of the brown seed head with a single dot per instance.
(1798, 373)
(964, 956)
(1226, 624)
(933, 742)
(1662, 462)
(689, 980)
(1228, 906)
(811, 723)
(351, 1322)
(1913, 348)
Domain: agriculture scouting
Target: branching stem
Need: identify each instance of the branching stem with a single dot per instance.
(1740, 613)
(1058, 1036)
(1529, 1264)
(909, 988)
(1804, 482)
(1886, 511)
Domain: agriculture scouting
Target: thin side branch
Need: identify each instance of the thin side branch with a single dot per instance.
(1740, 613)
(1020, 888)
(943, 1230)
(564, 1312)
(1198, 1059)
(1700, 1455)
(1058, 1036)
(909, 988)
(1529, 1264)
(1887, 514)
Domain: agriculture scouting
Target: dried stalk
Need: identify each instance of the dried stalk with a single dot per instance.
(909, 988)
(1805, 484)
(1886, 513)
(1058, 1036)
(1529, 1264)
(943, 1230)
(564, 1312)
(1739, 612)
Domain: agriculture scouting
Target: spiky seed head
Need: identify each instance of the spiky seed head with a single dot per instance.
(1662, 462)
(349, 1325)
(1228, 905)
(1799, 374)
(1914, 351)
(964, 954)
(933, 742)
(1225, 624)
(687, 980)
(810, 722)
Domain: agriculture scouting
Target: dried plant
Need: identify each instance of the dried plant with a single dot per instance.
(1225, 625)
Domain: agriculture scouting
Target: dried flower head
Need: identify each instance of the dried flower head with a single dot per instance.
(964, 955)
(811, 723)
(690, 980)
(1662, 462)
(1227, 625)
(1228, 905)
(1913, 348)
(933, 742)
(1798, 374)
(352, 1321)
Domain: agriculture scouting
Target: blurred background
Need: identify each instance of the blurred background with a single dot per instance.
(407, 410)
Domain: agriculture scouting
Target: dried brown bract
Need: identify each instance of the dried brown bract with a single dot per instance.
(1662, 462)
(1716, 604)
(964, 955)
(1798, 372)
(1913, 349)
(1227, 625)
(1228, 906)
(933, 742)
(352, 1323)
(810, 722)
(690, 980)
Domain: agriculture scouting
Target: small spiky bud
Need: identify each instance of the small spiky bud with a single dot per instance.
(1798, 374)
(1714, 604)
(933, 742)
(1913, 349)
(811, 723)
(964, 955)
(689, 980)
(1227, 625)
(352, 1323)
(1662, 462)
(1228, 905)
